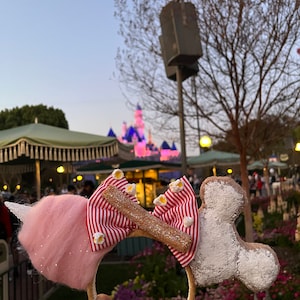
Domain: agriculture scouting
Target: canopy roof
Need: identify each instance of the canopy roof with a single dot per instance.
(213, 158)
(44, 142)
(260, 164)
(132, 165)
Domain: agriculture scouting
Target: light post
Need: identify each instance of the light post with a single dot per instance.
(181, 48)
(229, 171)
(194, 92)
(60, 170)
(297, 149)
(205, 142)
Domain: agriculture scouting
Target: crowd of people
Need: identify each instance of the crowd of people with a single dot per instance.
(9, 226)
(85, 190)
(6, 222)
(256, 184)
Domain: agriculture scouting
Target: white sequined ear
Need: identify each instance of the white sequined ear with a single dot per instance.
(221, 254)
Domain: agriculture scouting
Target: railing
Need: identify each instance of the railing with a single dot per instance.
(21, 281)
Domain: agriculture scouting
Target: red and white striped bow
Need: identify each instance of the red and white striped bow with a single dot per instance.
(177, 207)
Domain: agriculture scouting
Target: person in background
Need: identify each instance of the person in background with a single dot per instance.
(16, 223)
(252, 185)
(5, 222)
(72, 189)
(259, 185)
(88, 189)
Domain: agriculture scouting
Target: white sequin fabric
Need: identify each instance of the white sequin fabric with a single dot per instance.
(221, 253)
(19, 210)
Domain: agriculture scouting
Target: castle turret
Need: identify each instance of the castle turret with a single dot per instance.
(124, 130)
(111, 133)
(139, 122)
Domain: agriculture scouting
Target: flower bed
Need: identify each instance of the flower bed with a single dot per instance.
(159, 276)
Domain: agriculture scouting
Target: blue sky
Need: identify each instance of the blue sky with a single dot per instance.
(61, 53)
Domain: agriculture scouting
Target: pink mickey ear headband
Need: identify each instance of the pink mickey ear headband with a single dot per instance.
(83, 230)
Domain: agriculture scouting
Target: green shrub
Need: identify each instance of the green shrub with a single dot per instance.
(156, 270)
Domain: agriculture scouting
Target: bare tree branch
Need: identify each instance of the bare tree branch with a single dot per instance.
(249, 72)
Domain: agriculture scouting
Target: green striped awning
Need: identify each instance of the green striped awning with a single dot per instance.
(44, 142)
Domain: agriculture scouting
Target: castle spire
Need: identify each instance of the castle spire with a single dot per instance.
(139, 122)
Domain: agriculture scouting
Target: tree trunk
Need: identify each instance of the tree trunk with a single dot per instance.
(247, 208)
(267, 180)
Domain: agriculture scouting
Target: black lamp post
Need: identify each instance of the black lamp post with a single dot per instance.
(181, 48)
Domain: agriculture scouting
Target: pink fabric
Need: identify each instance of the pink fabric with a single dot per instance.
(55, 236)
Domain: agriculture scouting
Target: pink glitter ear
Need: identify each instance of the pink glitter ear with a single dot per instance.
(60, 248)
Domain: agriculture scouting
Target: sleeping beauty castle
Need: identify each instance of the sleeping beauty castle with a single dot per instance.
(144, 148)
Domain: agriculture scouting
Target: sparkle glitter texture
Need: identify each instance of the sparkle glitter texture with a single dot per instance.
(60, 248)
(221, 253)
